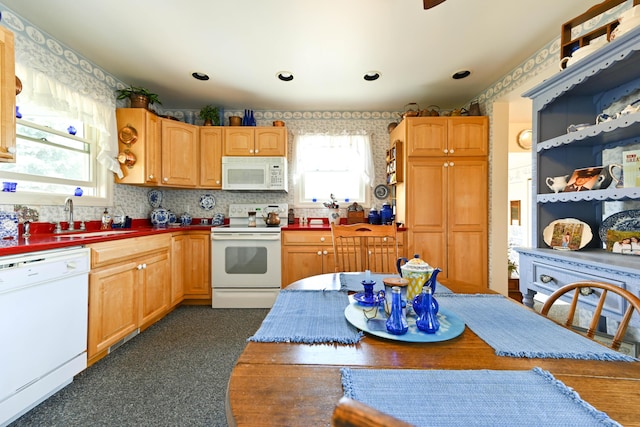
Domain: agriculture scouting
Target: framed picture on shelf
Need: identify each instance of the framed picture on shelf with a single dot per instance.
(567, 236)
(623, 242)
(583, 179)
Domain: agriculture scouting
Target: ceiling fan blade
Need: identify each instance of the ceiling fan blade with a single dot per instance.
(428, 4)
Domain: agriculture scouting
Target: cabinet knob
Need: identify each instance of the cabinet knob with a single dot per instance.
(139, 267)
(452, 164)
(445, 151)
(319, 253)
(217, 181)
(322, 239)
(546, 279)
(165, 179)
(451, 151)
(256, 151)
(446, 164)
(251, 151)
(151, 177)
(324, 252)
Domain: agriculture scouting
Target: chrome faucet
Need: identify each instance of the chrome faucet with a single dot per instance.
(68, 207)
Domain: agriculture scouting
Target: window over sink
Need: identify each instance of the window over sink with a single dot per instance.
(54, 156)
(326, 164)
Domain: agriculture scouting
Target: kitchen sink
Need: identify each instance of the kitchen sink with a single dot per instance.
(93, 234)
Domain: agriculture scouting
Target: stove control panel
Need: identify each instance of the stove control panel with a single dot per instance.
(242, 210)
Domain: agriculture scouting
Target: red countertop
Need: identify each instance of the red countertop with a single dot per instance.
(42, 237)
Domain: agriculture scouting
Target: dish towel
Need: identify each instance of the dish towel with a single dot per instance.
(516, 331)
(472, 397)
(353, 282)
(308, 317)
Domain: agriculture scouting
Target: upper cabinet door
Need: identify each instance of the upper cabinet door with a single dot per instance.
(211, 157)
(271, 142)
(427, 136)
(468, 136)
(180, 166)
(7, 97)
(238, 141)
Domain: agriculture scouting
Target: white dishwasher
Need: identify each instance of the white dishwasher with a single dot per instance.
(43, 326)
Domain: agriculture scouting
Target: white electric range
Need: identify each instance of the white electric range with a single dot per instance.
(246, 269)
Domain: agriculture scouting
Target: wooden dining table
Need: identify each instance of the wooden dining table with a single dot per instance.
(293, 384)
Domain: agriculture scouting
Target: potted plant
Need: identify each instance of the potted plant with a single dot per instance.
(139, 96)
(210, 115)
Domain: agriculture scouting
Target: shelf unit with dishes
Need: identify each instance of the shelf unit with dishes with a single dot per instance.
(577, 96)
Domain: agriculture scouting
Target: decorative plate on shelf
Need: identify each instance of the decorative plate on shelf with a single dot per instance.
(621, 221)
(207, 202)
(155, 198)
(567, 234)
(381, 192)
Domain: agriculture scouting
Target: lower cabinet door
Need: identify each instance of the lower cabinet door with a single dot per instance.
(113, 308)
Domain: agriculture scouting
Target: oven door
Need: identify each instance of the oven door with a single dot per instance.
(245, 260)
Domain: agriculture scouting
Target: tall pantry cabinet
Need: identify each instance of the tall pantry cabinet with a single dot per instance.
(443, 200)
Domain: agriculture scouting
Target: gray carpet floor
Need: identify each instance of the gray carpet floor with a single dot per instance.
(173, 374)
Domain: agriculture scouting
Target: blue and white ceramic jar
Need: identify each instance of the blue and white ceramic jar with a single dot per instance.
(172, 217)
(185, 219)
(160, 217)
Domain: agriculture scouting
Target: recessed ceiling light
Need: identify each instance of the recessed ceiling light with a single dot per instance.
(460, 74)
(200, 76)
(285, 76)
(371, 76)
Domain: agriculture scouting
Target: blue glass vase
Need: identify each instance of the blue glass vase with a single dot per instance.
(397, 322)
(428, 319)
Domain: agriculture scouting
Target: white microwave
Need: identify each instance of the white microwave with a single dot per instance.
(254, 173)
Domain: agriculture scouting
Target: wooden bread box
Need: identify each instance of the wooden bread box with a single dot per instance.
(355, 217)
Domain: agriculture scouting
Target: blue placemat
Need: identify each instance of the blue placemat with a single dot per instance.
(472, 397)
(308, 317)
(514, 330)
(353, 282)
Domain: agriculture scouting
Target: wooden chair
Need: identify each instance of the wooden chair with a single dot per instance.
(587, 288)
(351, 413)
(361, 247)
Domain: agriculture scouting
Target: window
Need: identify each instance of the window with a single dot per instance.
(51, 162)
(332, 164)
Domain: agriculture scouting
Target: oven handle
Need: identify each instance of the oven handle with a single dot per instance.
(236, 237)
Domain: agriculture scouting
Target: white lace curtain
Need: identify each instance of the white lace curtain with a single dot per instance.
(52, 96)
(312, 151)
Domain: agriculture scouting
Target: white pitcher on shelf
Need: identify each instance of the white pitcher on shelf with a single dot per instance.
(557, 184)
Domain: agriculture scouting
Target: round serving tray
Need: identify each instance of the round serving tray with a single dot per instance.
(451, 325)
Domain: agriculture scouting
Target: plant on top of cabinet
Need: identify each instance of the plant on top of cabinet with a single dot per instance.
(210, 115)
(139, 96)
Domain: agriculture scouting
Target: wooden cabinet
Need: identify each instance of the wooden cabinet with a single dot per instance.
(176, 293)
(197, 266)
(211, 157)
(447, 136)
(601, 81)
(306, 253)
(144, 126)
(129, 288)
(180, 154)
(444, 199)
(7, 97)
(255, 141)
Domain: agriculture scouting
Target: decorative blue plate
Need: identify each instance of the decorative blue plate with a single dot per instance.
(155, 198)
(451, 325)
(621, 221)
(363, 300)
(207, 202)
